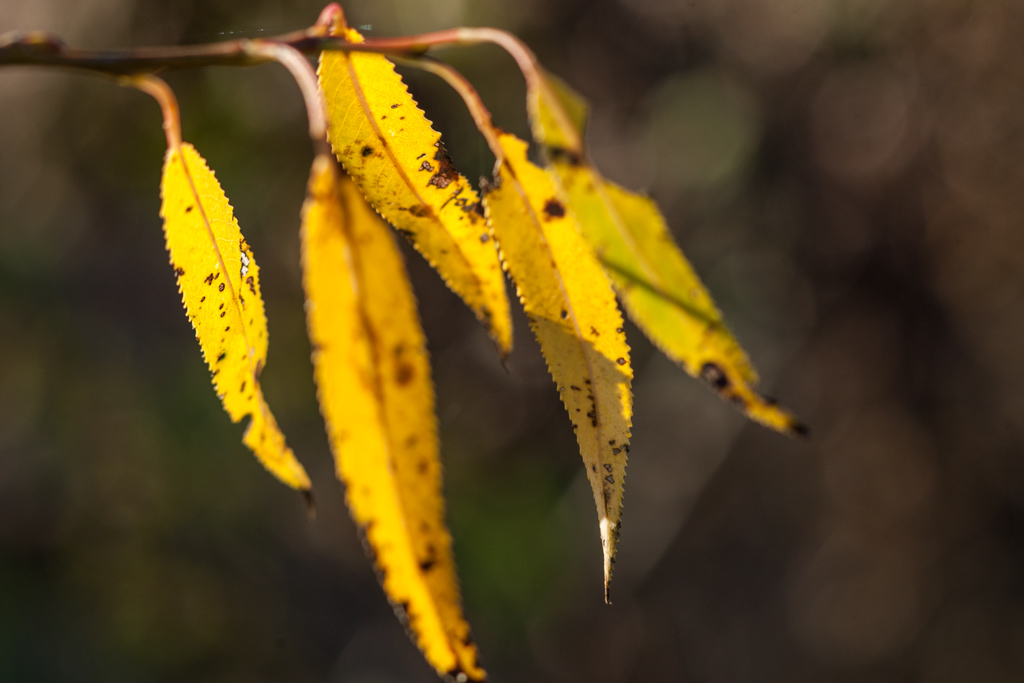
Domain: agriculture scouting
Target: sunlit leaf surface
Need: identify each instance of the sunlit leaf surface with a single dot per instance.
(220, 287)
(377, 398)
(572, 311)
(391, 151)
(659, 288)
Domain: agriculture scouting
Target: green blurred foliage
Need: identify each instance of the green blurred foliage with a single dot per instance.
(846, 175)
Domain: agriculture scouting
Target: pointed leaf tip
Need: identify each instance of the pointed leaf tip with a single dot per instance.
(219, 283)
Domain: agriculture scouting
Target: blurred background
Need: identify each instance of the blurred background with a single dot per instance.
(848, 178)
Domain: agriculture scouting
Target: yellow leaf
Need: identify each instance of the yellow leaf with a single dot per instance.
(658, 287)
(373, 381)
(572, 311)
(391, 151)
(219, 283)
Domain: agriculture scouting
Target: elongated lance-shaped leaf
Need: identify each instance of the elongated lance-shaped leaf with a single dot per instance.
(572, 311)
(220, 287)
(658, 287)
(373, 382)
(390, 149)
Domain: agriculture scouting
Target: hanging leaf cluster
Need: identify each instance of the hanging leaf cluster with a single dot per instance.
(574, 244)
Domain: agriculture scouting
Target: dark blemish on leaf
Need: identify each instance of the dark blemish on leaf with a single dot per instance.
(591, 414)
(611, 442)
(179, 271)
(554, 209)
(252, 285)
(216, 275)
(208, 279)
(422, 155)
(222, 356)
(221, 307)
(616, 451)
(563, 154)
(620, 361)
(574, 387)
(607, 467)
(619, 330)
(593, 331)
(383, 117)
(189, 208)
(367, 151)
(425, 166)
(411, 441)
(422, 466)
(395, 106)
(228, 328)
(404, 374)
(419, 211)
(610, 479)
(446, 173)
(484, 238)
(564, 314)
(593, 468)
(221, 287)
(242, 388)
(202, 300)
(223, 313)
(713, 375)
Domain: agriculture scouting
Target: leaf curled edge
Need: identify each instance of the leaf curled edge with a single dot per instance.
(573, 313)
(219, 283)
(376, 395)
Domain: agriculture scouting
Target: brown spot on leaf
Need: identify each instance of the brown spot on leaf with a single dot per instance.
(620, 361)
(419, 210)
(179, 271)
(208, 279)
(715, 376)
(563, 154)
(425, 166)
(446, 173)
(252, 285)
(188, 209)
(221, 287)
(367, 151)
(554, 209)
(404, 374)
(610, 479)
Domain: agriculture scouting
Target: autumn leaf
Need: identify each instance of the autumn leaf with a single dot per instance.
(394, 155)
(659, 288)
(572, 311)
(219, 283)
(376, 395)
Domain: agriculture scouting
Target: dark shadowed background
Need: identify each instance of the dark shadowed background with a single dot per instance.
(848, 178)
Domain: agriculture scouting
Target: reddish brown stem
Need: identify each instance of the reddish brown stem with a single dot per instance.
(162, 93)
